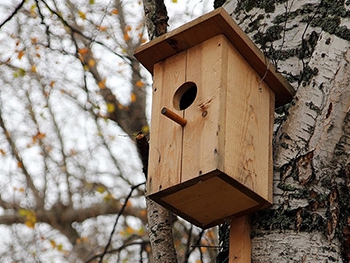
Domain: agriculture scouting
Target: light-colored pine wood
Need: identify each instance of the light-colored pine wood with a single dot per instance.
(227, 136)
(270, 165)
(205, 27)
(201, 136)
(214, 162)
(248, 126)
(240, 241)
(164, 168)
(205, 206)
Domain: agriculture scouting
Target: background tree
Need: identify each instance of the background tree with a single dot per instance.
(72, 100)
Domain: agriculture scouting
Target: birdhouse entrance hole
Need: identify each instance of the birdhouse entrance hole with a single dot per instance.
(185, 95)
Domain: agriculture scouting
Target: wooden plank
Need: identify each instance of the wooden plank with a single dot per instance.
(203, 200)
(240, 241)
(270, 159)
(203, 206)
(201, 135)
(166, 135)
(247, 125)
(253, 55)
(205, 27)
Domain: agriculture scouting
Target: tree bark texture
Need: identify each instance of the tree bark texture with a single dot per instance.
(160, 233)
(159, 218)
(308, 41)
(156, 17)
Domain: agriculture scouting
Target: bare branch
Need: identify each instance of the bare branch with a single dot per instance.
(78, 32)
(156, 17)
(116, 220)
(13, 13)
(117, 250)
(130, 118)
(19, 160)
(193, 247)
(64, 216)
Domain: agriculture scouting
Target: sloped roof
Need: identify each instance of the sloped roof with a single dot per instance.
(205, 27)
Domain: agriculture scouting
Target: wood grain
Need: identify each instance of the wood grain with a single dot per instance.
(200, 203)
(164, 167)
(248, 127)
(205, 27)
(240, 241)
(201, 136)
(223, 154)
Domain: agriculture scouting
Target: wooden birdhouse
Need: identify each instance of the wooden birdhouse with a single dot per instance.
(214, 95)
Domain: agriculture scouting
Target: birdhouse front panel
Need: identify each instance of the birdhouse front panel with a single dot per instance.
(167, 136)
(202, 134)
(178, 85)
(212, 118)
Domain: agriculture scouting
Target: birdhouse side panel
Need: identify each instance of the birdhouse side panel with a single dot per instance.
(202, 133)
(248, 144)
(164, 169)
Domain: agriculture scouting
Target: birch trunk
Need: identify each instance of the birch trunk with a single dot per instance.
(308, 41)
(159, 218)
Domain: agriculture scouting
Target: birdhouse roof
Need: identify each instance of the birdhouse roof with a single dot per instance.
(205, 27)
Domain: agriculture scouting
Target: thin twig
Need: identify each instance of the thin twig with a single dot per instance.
(214, 247)
(140, 243)
(16, 154)
(13, 13)
(116, 220)
(188, 247)
(193, 247)
(284, 31)
(76, 31)
(47, 30)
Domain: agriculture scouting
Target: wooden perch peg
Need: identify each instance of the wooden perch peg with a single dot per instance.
(173, 116)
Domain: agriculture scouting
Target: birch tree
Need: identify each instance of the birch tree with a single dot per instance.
(308, 42)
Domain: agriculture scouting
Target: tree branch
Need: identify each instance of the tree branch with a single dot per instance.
(156, 17)
(78, 32)
(130, 118)
(13, 13)
(116, 221)
(20, 163)
(65, 215)
(125, 245)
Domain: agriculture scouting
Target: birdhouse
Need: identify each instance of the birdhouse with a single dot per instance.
(214, 95)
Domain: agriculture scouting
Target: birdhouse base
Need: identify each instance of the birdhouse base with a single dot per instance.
(210, 199)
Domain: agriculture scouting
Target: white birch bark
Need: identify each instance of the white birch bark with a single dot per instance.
(309, 221)
(159, 218)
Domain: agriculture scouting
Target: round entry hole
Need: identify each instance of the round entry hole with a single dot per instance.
(185, 95)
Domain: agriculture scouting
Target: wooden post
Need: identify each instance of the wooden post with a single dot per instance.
(240, 242)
